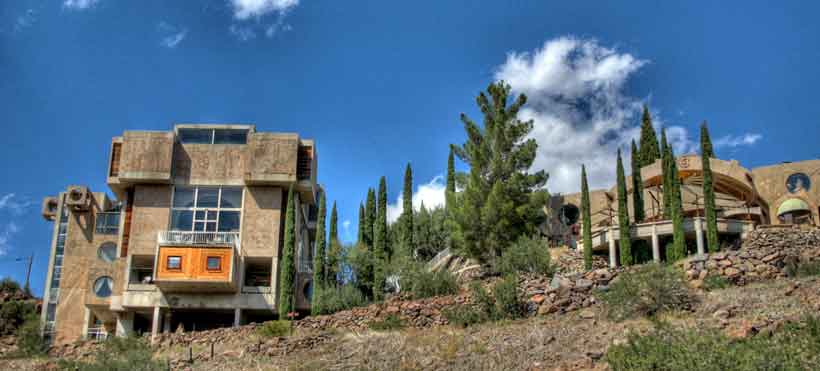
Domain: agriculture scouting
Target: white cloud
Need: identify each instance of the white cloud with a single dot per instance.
(244, 9)
(431, 194)
(242, 33)
(346, 229)
(9, 230)
(730, 141)
(25, 20)
(575, 90)
(172, 35)
(11, 202)
(79, 4)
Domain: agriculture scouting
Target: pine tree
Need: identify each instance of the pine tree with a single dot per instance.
(708, 189)
(637, 186)
(370, 218)
(587, 219)
(319, 256)
(334, 254)
(625, 242)
(379, 242)
(667, 200)
(678, 238)
(288, 271)
(406, 228)
(501, 201)
(649, 141)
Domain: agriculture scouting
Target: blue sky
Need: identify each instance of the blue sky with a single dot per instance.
(379, 84)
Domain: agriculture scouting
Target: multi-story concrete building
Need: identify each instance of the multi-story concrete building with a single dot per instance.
(191, 237)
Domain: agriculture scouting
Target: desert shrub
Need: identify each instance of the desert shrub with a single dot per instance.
(527, 255)
(424, 284)
(30, 342)
(508, 303)
(464, 315)
(808, 269)
(715, 282)
(13, 313)
(647, 290)
(504, 303)
(334, 299)
(119, 354)
(390, 323)
(796, 347)
(271, 329)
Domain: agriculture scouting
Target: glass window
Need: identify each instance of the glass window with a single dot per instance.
(207, 197)
(103, 286)
(181, 220)
(214, 263)
(230, 136)
(107, 252)
(107, 223)
(231, 198)
(195, 136)
(229, 221)
(174, 262)
(184, 196)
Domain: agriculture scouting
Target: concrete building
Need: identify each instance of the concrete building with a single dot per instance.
(191, 237)
(786, 193)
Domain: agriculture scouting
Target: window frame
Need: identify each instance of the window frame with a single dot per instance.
(212, 134)
(206, 220)
(218, 261)
(104, 227)
(168, 263)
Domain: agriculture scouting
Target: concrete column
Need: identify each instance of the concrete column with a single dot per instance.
(237, 317)
(86, 322)
(613, 256)
(125, 323)
(155, 324)
(656, 248)
(166, 323)
(699, 235)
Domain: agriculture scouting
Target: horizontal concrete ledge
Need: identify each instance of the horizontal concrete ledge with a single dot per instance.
(643, 231)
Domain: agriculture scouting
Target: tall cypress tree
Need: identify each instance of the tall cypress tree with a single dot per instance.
(637, 186)
(678, 236)
(667, 191)
(708, 189)
(370, 218)
(288, 270)
(319, 256)
(649, 141)
(334, 254)
(406, 229)
(586, 215)
(360, 236)
(625, 242)
(379, 242)
(451, 172)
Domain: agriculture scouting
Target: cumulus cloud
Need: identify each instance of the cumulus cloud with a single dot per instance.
(171, 35)
(252, 17)
(431, 194)
(730, 141)
(8, 231)
(12, 203)
(79, 4)
(581, 113)
(244, 9)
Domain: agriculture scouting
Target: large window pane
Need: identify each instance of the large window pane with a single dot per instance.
(230, 136)
(195, 136)
(228, 221)
(231, 198)
(207, 197)
(181, 220)
(183, 197)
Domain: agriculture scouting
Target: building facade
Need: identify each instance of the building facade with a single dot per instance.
(191, 237)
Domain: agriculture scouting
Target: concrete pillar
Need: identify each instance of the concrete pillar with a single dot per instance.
(86, 322)
(155, 324)
(613, 256)
(125, 323)
(699, 235)
(656, 248)
(237, 317)
(166, 323)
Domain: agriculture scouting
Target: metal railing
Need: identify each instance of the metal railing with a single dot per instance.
(305, 266)
(198, 238)
(53, 294)
(97, 333)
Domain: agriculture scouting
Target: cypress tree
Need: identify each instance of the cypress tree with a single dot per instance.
(708, 189)
(625, 242)
(408, 246)
(678, 237)
(370, 217)
(319, 256)
(637, 186)
(379, 242)
(334, 254)
(288, 270)
(587, 219)
(649, 141)
(667, 192)
(451, 172)
(360, 236)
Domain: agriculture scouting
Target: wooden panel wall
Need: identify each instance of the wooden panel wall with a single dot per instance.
(194, 264)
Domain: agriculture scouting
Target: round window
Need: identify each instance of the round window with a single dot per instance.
(798, 182)
(568, 214)
(107, 252)
(103, 286)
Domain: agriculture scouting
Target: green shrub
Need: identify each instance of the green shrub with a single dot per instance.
(424, 284)
(464, 315)
(13, 314)
(9, 285)
(647, 290)
(796, 347)
(119, 354)
(508, 303)
(808, 269)
(30, 342)
(271, 329)
(335, 299)
(390, 323)
(715, 282)
(527, 255)
(504, 303)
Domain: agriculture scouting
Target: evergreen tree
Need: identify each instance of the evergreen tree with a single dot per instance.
(708, 190)
(422, 226)
(625, 242)
(379, 242)
(406, 226)
(667, 200)
(649, 141)
(334, 254)
(587, 219)
(288, 271)
(451, 172)
(370, 218)
(678, 238)
(362, 223)
(501, 201)
(319, 256)
(637, 186)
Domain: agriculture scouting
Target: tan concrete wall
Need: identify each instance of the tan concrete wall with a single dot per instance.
(770, 182)
(271, 158)
(146, 155)
(261, 220)
(209, 164)
(152, 205)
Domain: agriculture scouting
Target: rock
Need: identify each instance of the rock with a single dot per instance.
(587, 314)
(722, 314)
(731, 272)
(537, 299)
(583, 285)
(742, 330)
(696, 284)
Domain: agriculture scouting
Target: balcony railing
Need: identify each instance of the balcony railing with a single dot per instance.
(97, 333)
(198, 238)
(305, 266)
